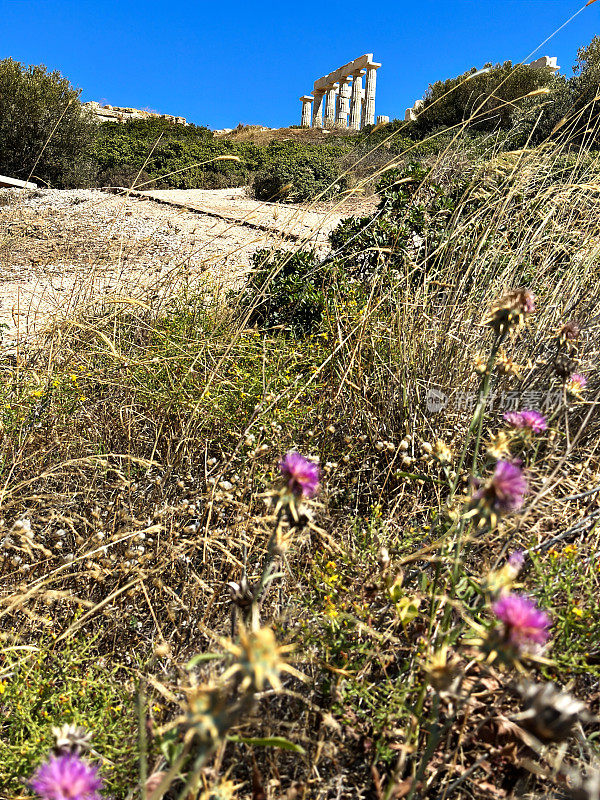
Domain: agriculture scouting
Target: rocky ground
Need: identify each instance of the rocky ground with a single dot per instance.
(60, 249)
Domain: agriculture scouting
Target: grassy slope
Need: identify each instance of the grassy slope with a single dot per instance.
(140, 446)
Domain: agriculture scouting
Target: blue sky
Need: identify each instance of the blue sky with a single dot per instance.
(219, 63)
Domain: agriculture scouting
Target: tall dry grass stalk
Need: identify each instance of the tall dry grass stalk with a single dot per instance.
(135, 490)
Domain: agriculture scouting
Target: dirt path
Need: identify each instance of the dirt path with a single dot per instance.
(309, 223)
(61, 249)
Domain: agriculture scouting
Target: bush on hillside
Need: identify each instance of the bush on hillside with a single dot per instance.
(291, 291)
(577, 112)
(295, 172)
(586, 80)
(488, 99)
(173, 156)
(43, 132)
(286, 291)
(401, 240)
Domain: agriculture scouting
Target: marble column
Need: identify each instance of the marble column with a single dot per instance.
(370, 83)
(356, 100)
(317, 114)
(330, 108)
(305, 120)
(343, 103)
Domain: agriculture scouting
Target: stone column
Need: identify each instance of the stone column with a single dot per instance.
(370, 83)
(343, 103)
(306, 100)
(330, 108)
(356, 100)
(317, 114)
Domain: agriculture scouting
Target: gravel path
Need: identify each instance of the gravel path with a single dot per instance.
(60, 249)
(311, 222)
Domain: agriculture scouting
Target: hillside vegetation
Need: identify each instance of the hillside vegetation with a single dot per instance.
(332, 534)
(501, 106)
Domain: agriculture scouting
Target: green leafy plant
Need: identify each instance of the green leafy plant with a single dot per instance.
(43, 132)
(286, 291)
(295, 173)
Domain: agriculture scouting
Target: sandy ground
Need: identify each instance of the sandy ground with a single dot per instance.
(310, 222)
(60, 249)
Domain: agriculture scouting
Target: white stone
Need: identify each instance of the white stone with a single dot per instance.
(331, 106)
(382, 119)
(546, 62)
(348, 69)
(356, 101)
(110, 113)
(305, 120)
(318, 104)
(370, 86)
(412, 113)
(15, 183)
(343, 103)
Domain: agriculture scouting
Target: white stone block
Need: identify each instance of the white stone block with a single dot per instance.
(15, 183)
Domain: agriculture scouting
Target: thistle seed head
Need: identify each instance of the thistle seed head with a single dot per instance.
(550, 713)
(510, 312)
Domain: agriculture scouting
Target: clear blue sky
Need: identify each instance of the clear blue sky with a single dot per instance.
(219, 63)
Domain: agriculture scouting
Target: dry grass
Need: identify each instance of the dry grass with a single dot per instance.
(257, 135)
(140, 442)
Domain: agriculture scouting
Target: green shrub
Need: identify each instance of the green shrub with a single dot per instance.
(172, 156)
(292, 290)
(297, 172)
(286, 290)
(489, 96)
(43, 132)
(402, 237)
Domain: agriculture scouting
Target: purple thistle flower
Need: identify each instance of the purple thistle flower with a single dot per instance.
(528, 302)
(524, 622)
(516, 560)
(67, 777)
(532, 420)
(506, 490)
(577, 382)
(300, 474)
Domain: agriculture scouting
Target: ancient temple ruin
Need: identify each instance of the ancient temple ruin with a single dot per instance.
(340, 95)
(107, 113)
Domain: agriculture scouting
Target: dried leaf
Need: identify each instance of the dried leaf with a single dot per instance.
(258, 789)
(402, 789)
(507, 727)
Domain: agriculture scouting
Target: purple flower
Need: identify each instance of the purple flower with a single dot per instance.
(524, 622)
(300, 474)
(516, 560)
(532, 420)
(506, 489)
(528, 302)
(576, 383)
(67, 777)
